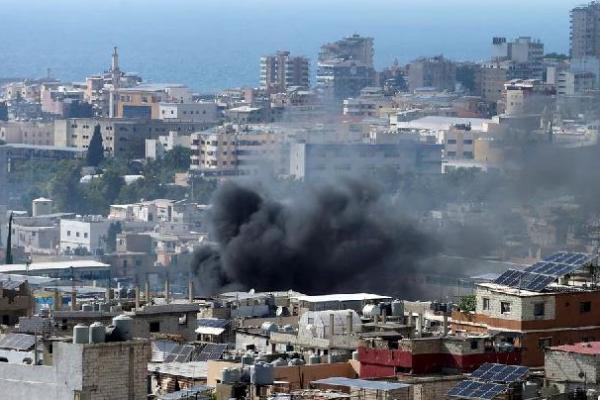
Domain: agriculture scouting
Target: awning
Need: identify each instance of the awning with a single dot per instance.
(209, 330)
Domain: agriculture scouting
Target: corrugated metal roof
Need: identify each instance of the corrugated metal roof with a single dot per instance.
(361, 383)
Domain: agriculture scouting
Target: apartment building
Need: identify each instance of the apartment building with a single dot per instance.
(214, 153)
(549, 303)
(355, 47)
(459, 142)
(585, 31)
(143, 101)
(281, 71)
(120, 137)
(27, 132)
(340, 79)
(525, 96)
(313, 161)
(574, 83)
(436, 72)
(205, 111)
(85, 234)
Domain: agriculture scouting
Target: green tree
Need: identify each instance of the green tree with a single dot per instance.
(467, 303)
(178, 159)
(111, 236)
(95, 153)
(64, 187)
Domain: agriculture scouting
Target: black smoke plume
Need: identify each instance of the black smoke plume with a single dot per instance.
(327, 238)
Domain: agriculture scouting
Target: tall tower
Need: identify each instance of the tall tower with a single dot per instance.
(115, 78)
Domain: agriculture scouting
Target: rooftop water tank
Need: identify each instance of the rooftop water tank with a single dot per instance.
(124, 326)
(87, 307)
(355, 355)
(282, 311)
(371, 310)
(81, 334)
(248, 359)
(261, 374)
(231, 375)
(97, 333)
(288, 328)
(269, 327)
(296, 361)
(280, 362)
(397, 308)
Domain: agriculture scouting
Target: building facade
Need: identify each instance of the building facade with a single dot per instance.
(280, 71)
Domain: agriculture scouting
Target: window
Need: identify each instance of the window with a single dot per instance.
(486, 303)
(474, 344)
(451, 141)
(77, 234)
(154, 326)
(539, 309)
(585, 306)
(85, 235)
(68, 233)
(504, 307)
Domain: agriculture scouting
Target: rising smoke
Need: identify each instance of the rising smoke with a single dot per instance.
(331, 238)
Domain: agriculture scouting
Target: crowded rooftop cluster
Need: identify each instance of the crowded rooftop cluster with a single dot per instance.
(334, 230)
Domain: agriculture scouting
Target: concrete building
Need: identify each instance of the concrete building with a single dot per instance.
(281, 71)
(120, 137)
(529, 96)
(156, 148)
(310, 161)
(27, 132)
(585, 31)
(214, 153)
(459, 143)
(339, 79)
(355, 47)
(247, 114)
(575, 83)
(36, 235)
(16, 300)
(143, 101)
(115, 370)
(206, 112)
(436, 72)
(86, 234)
(571, 366)
(559, 313)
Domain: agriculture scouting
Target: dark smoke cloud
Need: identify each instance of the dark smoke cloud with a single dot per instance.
(326, 238)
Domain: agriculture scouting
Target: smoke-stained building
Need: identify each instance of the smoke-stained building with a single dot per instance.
(437, 72)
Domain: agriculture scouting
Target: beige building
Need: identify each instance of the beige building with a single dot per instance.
(214, 153)
(143, 101)
(27, 132)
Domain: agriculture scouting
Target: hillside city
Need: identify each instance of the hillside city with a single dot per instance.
(421, 232)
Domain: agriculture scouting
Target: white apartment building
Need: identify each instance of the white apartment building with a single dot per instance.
(88, 234)
(191, 112)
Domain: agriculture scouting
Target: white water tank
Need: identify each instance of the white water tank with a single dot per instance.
(295, 361)
(280, 362)
(81, 334)
(87, 307)
(41, 206)
(124, 326)
(371, 310)
(247, 359)
(97, 333)
(269, 327)
(355, 355)
(261, 374)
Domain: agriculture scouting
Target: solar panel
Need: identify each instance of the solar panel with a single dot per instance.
(500, 372)
(212, 351)
(477, 390)
(180, 353)
(565, 257)
(524, 280)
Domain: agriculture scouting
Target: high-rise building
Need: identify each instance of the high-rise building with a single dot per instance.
(585, 31)
(355, 47)
(345, 67)
(437, 72)
(280, 71)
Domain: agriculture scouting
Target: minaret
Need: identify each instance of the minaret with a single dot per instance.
(114, 69)
(116, 77)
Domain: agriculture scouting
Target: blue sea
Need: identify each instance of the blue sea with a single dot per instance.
(214, 44)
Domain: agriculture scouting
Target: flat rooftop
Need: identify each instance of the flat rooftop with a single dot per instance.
(53, 265)
(590, 348)
(342, 297)
(444, 123)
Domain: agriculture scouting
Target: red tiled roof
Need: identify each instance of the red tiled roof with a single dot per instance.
(580, 348)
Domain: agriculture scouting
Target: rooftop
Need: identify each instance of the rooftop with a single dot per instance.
(52, 265)
(591, 348)
(361, 383)
(445, 123)
(342, 297)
